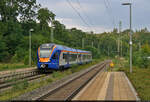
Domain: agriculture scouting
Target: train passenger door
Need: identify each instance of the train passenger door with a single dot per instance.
(68, 58)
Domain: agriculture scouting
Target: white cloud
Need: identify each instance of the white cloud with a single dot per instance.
(67, 16)
(99, 15)
(71, 23)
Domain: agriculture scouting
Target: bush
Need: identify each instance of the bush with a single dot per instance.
(14, 59)
(74, 69)
(26, 60)
(140, 57)
(142, 62)
(95, 53)
(3, 49)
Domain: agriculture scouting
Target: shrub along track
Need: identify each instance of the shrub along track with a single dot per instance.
(67, 90)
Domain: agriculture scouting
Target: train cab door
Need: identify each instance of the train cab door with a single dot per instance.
(55, 58)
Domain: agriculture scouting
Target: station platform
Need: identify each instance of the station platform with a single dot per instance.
(108, 86)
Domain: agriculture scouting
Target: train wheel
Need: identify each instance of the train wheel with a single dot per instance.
(61, 68)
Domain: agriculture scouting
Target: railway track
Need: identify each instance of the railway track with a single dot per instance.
(7, 81)
(8, 85)
(68, 90)
(17, 75)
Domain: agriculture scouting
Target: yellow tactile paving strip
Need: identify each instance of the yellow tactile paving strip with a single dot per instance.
(100, 87)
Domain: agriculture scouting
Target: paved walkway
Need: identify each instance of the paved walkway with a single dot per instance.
(108, 86)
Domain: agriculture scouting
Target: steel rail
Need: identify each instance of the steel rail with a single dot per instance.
(7, 81)
(23, 74)
(9, 85)
(78, 90)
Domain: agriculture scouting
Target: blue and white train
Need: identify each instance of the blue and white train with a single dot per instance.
(53, 56)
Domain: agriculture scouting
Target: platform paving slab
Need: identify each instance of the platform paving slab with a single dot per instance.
(108, 86)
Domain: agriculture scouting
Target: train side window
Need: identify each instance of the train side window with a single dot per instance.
(64, 55)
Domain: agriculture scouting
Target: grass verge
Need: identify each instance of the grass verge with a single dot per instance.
(140, 78)
(4, 66)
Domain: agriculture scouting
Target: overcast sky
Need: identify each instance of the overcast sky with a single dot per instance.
(100, 15)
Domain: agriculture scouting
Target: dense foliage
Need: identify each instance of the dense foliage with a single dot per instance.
(17, 17)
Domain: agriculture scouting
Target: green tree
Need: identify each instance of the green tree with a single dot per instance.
(11, 9)
(140, 57)
(3, 49)
(45, 17)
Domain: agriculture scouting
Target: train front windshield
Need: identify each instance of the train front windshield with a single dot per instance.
(45, 52)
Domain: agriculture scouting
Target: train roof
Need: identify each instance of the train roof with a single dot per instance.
(61, 47)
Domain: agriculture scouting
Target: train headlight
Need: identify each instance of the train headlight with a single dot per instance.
(49, 60)
(43, 65)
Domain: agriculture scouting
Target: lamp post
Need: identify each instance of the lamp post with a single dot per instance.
(82, 42)
(52, 32)
(130, 34)
(31, 30)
